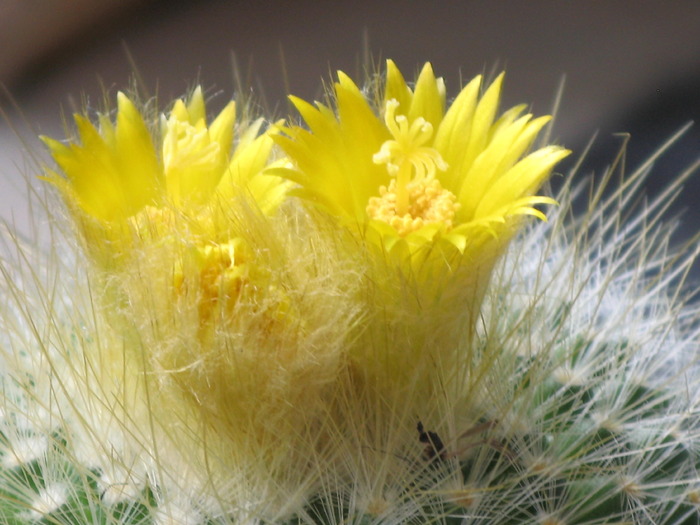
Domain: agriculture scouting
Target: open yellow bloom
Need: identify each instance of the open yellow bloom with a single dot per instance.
(411, 173)
(436, 192)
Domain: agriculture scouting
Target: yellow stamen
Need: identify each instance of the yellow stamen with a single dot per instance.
(223, 272)
(414, 197)
(220, 275)
(430, 203)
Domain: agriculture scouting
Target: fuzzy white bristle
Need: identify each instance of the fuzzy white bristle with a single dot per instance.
(48, 500)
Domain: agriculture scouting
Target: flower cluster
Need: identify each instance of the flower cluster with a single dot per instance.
(272, 321)
(265, 337)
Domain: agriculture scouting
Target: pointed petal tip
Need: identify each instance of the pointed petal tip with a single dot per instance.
(122, 100)
(427, 67)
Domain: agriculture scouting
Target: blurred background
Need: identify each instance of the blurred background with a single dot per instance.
(630, 65)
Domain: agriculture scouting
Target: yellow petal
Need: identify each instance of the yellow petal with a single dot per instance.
(92, 180)
(428, 98)
(196, 107)
(483, 119)
(111, 175)
(180, 111)
(396, 88)
(506, 147)
(521, 180)
(337, 149)
(221, 130)
(107, 129)
(140, 172)
(247, 172)
(453, 135)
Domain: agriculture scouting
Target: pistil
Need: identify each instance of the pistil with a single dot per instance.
(414, 197)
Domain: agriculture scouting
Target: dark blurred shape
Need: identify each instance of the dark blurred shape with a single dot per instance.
(30, 31)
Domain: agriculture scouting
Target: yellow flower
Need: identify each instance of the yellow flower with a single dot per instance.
(163, 189)
(118, 169)
(411, 173)
(222, 318)
(156, 201)
(436, 192)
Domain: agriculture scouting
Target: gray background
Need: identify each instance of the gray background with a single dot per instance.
(630, 65)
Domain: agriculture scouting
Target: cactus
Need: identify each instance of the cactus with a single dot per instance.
(560, 388)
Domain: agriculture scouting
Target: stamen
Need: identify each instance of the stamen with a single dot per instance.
(414, 197)
(430, 203)
(223, 270)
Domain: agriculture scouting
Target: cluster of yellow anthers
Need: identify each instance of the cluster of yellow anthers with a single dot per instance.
(243, 307)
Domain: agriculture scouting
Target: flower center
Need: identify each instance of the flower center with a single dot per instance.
(214, 273)
(223, 270)
(414, 197)
(217, 278)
